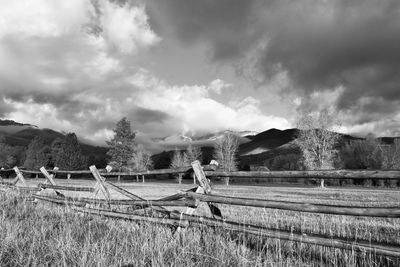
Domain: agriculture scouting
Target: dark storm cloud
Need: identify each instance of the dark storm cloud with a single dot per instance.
(144, 115)
(319, 44)
(224, 24)
(355, 45)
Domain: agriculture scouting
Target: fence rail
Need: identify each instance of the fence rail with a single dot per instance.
(210, 171)
(326, 174)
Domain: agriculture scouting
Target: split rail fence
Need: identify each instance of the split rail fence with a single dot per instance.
(136, 208)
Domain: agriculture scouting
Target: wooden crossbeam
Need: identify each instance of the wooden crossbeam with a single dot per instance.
(100, 184)
(20, 177)
(48, 176)
(133, 196)
(67, 188)
(204, 188)
(201, 177)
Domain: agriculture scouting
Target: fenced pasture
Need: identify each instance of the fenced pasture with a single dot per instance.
(183, 224)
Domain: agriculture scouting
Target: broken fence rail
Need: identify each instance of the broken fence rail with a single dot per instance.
(121, 202)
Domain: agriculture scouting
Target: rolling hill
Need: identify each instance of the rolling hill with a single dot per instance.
(19, 134)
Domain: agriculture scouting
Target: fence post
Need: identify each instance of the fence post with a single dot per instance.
(50, 179)
(100, 182)
(142, 178)
(68, 176)
(47, 175)
(226, 180)
(19, 177)
(119, 178)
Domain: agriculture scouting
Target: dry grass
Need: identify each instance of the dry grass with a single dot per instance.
(44, 234)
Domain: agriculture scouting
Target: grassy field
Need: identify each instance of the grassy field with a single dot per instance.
(43, 234)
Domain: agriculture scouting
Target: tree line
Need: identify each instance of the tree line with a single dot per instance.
(126, 155)
(317, 143)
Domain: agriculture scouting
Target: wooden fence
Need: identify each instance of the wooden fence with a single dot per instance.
(136, 208)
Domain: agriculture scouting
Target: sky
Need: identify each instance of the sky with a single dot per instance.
(193, 67)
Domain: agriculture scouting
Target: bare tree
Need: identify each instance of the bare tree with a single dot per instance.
(391, 156)
(317, 140)
(141, 159)
(179, 160)
(225, 150)
(193, 153)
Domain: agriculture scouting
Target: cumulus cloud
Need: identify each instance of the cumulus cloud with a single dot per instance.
(60, 63)
(127, 29)
(195, 110)
(72, 75)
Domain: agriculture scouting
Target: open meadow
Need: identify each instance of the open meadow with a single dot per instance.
(45, 234)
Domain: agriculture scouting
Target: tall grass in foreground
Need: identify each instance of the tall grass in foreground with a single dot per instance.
(49, 235)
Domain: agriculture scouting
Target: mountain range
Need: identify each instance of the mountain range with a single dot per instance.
(255, 148)
(21, 134)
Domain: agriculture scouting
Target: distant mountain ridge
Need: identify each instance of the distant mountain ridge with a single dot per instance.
(255, 148)
(11, 122)
(21, 134)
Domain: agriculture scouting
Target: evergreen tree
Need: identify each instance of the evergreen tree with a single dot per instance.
(67, 154)
(122, 146)
(38, 154)
(55, 150)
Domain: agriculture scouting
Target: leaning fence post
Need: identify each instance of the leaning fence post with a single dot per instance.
(203, 188)
(100, 182)
(47, 175)
(19, 176)
(49, 179)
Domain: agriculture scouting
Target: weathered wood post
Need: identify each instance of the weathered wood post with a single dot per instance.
(119, 178)
(137, 178)
(226, 180)
(100, 185)
(142, 178)
(203, 188)
(50, 180)
(48, 176)
(55, 169)
(19, 177)
(68, 176)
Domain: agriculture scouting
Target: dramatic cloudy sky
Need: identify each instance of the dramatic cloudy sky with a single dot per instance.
(179, 66)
